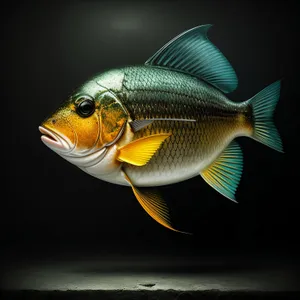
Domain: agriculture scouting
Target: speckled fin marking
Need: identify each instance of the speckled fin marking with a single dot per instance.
(154, 205)
(193, 53)
(225, 172)
(140, 151)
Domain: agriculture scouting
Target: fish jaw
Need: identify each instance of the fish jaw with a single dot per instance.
(54, 141)
(105, 164)
(87, 160)
(67, 150)
(109, 167)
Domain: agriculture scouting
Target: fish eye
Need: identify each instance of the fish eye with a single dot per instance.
(85, 108)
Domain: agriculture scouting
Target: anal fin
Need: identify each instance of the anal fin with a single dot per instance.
(154, 205)
(225, 172)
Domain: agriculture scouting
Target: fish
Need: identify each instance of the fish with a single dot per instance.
(163, 122)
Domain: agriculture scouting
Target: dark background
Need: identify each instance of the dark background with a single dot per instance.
(50, 49)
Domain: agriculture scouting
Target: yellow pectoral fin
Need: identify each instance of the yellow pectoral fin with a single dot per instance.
(140, 151)
(154, 205)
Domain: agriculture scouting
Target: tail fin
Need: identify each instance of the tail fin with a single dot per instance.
(263, 105)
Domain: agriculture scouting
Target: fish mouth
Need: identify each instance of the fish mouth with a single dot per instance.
(53, 140)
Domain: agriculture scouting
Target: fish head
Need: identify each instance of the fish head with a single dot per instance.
(86, 125)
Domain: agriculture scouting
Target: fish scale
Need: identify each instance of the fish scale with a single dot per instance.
(147, 95)
(164, 122)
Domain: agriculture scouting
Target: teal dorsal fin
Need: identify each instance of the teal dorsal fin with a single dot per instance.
(225, 172)
(193, 53)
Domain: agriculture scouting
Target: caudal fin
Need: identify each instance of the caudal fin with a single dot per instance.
(263, 105)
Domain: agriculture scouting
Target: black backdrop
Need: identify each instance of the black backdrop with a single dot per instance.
(50, 49)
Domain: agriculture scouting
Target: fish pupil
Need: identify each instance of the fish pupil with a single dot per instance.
(86, 108)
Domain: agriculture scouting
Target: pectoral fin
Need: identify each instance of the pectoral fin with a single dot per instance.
(154, 205)
(140, 151)
(225, 172)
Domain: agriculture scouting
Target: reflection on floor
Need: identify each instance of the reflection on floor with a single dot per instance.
(155, 276)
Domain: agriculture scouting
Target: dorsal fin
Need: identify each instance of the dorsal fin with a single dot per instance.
(193, 53)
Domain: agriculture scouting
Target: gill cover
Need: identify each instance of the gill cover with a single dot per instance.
(112, 116)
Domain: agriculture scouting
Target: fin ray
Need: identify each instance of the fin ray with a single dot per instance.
(154, 205)
(193, 53)
(225, 172)
(263, 105)
(140, 151)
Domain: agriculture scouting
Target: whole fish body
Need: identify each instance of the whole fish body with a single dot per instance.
(163, 122)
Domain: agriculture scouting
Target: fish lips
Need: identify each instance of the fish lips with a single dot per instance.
(54, 141)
